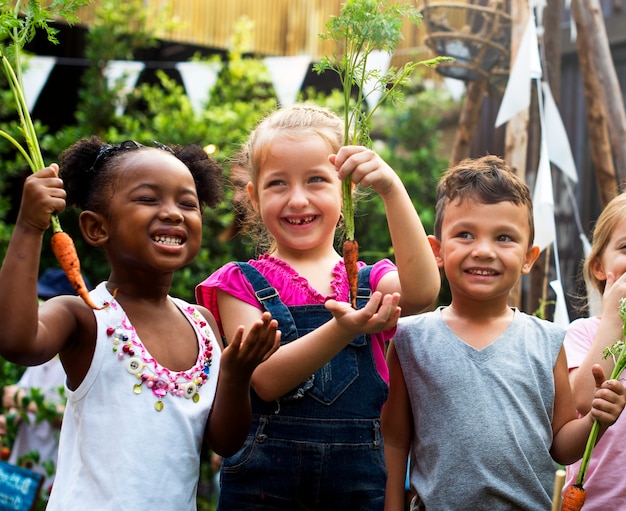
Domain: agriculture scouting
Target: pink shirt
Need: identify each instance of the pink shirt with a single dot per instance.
(604, 482)
(293, 290)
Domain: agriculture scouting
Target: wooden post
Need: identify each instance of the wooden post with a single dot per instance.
(589, 18)
(468, 121)
(516, 137)
(540, 274)
(605, 118)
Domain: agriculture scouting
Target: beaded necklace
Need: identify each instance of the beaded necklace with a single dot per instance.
(149, 373)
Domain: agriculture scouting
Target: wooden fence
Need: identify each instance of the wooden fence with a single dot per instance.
(278, 27)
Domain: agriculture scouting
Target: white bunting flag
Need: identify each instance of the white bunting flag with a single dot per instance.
(377, 60)
(455, 87)
(35, 76)
(126, 71)
(527, 65)
(558, 143)
(561, 316)
(287, 74)
(543, 202)
(199, 78)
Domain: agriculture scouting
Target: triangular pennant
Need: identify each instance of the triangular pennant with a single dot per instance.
(561, 316)
(372, 89)
(543, 203)
(35, 76)
(287, 74)
(558, 142)
(199, 78)
(455, 87)
(527, 65)
(126, 71)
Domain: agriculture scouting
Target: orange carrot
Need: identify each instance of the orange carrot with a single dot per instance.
(573, 498)
(350, 258)
(65, 252)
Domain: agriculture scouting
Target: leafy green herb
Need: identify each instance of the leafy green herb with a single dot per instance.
(18, 26)
(617, 352)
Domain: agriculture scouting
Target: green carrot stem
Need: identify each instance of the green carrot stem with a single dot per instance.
(618, 368)
(18, 146)
(348, 207)
(36, 160)
(56, 225)
(591, 442)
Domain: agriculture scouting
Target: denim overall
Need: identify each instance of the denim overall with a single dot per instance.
(319, 447)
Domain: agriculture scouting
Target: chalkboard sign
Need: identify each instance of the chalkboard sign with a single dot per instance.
(19, 488)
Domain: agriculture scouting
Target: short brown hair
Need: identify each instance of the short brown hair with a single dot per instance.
(488, 180)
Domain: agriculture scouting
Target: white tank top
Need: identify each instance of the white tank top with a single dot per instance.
(132, 431)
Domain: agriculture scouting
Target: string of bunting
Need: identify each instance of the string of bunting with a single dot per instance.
(555, 148)
(287, 75)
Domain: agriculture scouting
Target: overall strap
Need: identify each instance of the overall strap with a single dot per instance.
(364, 291)
(269, 299)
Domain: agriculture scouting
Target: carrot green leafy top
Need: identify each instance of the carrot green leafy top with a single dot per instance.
(362, 27)
(18, 26)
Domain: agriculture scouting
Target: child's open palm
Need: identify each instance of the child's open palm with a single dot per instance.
(379, 314)
(242, 356)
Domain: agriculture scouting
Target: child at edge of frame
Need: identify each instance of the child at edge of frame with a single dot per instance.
(479, 392)
(586, 338)
(315, 442)
(147, 378)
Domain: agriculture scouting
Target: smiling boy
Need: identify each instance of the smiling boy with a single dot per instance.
(479, 392)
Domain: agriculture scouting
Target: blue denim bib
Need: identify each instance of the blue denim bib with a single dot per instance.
(319, 446)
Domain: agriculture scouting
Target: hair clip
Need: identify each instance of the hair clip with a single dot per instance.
(107, 150)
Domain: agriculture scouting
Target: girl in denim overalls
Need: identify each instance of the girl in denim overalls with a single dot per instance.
(315, 442)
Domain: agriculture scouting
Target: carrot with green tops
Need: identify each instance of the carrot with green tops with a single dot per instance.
(65, 252)
(574, 496)
(18, 23)
(362, 27)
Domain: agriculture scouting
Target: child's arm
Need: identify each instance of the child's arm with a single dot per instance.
(23, 337)
(294, 362)
(231, 414)
(417, 279)
(397, 429)
(570, 432)
(609, 330)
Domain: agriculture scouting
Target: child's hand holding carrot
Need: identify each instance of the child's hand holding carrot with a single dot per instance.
(43, 195)
(366, 168)
(379, 314)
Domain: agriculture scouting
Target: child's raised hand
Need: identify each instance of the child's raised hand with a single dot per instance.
(42, 196)
(244, 355)
(379, 314)
(614, 291)
(365, 167)
(609, 398)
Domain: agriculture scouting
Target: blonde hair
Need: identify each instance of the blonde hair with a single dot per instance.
(296, 122)
(609, 219)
